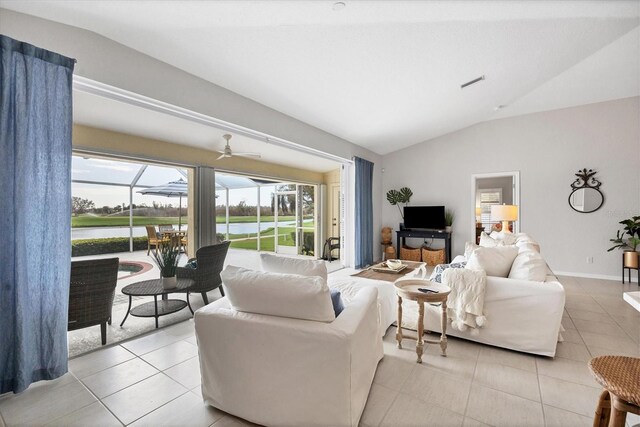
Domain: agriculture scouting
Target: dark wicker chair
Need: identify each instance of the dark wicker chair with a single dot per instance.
(93, 285)
(207, 276)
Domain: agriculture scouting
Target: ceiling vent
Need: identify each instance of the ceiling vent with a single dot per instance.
(469, 83)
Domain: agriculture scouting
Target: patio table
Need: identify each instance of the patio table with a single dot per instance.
(156, 308)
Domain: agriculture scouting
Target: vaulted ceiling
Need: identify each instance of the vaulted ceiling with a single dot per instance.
(384, 75)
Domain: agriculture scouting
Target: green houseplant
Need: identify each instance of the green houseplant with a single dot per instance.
(166, 257)
(398, 197)
(449, 217)
(631, 243)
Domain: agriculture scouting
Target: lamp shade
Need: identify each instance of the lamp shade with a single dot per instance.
(478, 211)
(504, 213)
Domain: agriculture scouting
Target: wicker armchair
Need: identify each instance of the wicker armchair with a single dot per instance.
(207, 276)
(91, 292)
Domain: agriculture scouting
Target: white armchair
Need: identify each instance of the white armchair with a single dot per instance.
(281, 371)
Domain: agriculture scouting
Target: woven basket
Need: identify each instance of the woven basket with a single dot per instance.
(410, 254)
(433, 256)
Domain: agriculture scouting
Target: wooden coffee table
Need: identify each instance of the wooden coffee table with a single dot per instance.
(408, 289)
(156, 308)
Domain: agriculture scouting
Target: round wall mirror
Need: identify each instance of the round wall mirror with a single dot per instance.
(586, 200)
(586, 196)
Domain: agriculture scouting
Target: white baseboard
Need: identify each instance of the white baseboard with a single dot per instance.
(634, 276)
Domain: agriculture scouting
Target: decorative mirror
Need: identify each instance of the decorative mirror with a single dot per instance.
(586, 196)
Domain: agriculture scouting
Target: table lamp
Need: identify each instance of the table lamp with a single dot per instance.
(478, 216)
(504, 213)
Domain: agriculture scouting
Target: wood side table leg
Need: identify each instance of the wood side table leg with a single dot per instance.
(420, 341)
(399, 330)
(443, 336)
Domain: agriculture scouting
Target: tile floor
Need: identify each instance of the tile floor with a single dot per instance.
(154, 380)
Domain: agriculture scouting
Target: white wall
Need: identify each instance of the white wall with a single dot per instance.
(106, 61)
(548, 149)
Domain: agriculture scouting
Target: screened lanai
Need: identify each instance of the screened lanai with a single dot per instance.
(254, 213)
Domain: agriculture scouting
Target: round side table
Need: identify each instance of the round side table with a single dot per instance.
(408, 289)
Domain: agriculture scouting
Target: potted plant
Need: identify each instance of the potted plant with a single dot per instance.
(631, 243)
(449, 216)
(397, 197)
(166, 257)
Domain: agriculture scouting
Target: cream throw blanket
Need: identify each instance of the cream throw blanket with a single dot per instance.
(466, 300)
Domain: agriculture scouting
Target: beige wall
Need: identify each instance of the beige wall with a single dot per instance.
(547, 148)
(106, 141)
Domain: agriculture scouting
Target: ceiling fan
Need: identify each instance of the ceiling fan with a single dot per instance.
(228, 153)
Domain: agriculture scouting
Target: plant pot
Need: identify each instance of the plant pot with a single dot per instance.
(630, 259)
(169, 282)
(448, 229)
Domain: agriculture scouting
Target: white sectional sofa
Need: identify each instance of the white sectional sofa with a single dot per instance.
(279, 368)
(522, 315)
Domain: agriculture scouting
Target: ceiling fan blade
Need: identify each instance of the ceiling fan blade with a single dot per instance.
(256, 155)
(221, 157)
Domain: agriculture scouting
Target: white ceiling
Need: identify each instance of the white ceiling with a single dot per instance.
(387, 74)
(100, 112)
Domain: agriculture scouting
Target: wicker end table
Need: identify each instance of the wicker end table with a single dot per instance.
(408, 289)
(156, 308)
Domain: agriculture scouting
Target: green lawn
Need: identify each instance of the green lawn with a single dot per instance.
(123, 221)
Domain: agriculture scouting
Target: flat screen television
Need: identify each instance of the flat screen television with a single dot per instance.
(429, 217)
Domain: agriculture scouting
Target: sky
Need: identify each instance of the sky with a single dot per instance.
(103, 170)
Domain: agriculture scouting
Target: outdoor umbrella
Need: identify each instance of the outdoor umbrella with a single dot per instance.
(171, 189)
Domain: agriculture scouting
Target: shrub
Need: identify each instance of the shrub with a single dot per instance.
(106, 246)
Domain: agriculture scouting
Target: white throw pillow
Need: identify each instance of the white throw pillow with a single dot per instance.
(469, 247)
(487, 241)
(505, 238)
(494, 261)
(529, 265)
(287, 265)
(276, 294)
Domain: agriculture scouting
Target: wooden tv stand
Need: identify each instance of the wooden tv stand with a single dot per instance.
(425, 234)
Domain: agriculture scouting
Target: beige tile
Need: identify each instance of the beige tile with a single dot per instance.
(171, 355)
(614, 344)
(393, 372)
(151, 342)
(470, 422)
(572, 336)
(141, 398)
(567, 323)
(453, 364)
(599, 328)
(570, 396)
(566, 369)
(186, 373)
(455, 347)
(508, 358)
(192, 340)
(197, 391)
(118, 377)
(590, 306)
(378, 403)
(182, 330)
(231, 421)
(589, 315)
(47, 402)
(569, 350)
(409, 411)
(497, 408)
(600, 351)
(435, 387)
(98, 360)
(555, 417)
(92, 415)
(187, 410)
(510, 380)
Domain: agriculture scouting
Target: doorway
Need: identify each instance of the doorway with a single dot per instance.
(295, 217)
(494, 189)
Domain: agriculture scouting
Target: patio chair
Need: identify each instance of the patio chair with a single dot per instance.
(184, 242)
(152, 238)
(206, 275)
(91, 292)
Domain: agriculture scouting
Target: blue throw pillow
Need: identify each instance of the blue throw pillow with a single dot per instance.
(436, 276)
(338, 306)
(192, 264)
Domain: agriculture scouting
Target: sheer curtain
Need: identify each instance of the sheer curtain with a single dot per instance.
(363, 212)
(35, 213)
